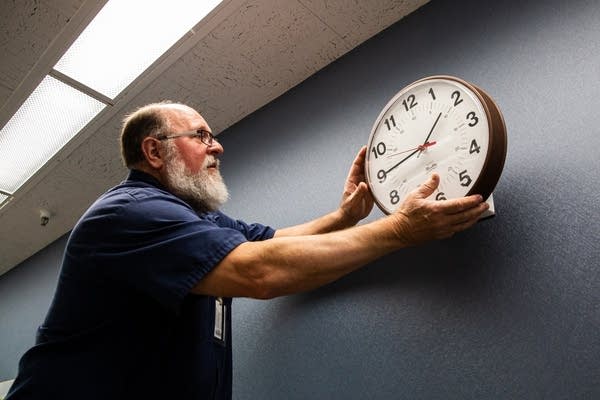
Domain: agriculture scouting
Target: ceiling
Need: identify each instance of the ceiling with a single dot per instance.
(240, 57)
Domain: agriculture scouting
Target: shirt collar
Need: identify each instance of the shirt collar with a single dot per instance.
(137, 175)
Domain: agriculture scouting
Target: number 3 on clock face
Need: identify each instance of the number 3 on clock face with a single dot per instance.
(438, 124)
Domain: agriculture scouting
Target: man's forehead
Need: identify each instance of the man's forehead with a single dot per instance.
(178, 107)
(179, 111)
(185, 116)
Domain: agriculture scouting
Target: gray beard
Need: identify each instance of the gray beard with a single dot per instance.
(203, 191)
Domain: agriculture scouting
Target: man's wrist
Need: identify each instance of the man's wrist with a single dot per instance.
(345, 219)
(401, 229)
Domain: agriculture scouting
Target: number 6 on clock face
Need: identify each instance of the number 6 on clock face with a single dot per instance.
(438, 124)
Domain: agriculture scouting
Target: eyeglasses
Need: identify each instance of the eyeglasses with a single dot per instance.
(205, 136)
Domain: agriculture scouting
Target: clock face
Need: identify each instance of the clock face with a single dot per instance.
(433, 125)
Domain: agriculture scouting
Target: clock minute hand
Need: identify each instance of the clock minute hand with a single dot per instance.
(432, 128)
(425, 144)
(404, 159)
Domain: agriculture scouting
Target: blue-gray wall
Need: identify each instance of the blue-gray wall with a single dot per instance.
(25, 294)
(509, 309)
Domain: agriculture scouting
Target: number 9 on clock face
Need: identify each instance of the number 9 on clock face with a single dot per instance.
(438, 124)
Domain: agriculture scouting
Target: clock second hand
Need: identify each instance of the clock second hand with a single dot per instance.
(417, 149)
(420, 147)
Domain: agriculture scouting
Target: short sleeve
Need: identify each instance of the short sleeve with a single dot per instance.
(152, 241)
(252, 232)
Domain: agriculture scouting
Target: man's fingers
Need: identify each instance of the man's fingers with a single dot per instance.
(467, 216)
(359, 160)
(459, 205)
(464, 225)
(361, 153)
(357, 170)
(429, 186)
(359, 191)
(364, 189)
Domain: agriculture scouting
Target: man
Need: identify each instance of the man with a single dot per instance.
(142, 307)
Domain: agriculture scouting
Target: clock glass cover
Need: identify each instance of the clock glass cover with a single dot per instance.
(433, 125)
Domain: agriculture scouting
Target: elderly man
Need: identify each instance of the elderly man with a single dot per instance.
(142, 307)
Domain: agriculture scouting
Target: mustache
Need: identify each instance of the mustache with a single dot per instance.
(211, 161)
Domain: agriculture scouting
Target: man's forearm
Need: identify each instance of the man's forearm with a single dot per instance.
(331, 222)
(313, 261)
(293, 264)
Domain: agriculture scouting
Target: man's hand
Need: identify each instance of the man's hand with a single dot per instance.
(420, 220)
(357, 200)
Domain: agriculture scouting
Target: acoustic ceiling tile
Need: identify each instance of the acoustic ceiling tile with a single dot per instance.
(357, 20)
(28, 27)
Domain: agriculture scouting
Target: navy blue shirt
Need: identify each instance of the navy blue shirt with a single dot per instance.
(122, 324)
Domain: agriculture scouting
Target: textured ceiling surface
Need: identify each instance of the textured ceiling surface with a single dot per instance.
(240, 57)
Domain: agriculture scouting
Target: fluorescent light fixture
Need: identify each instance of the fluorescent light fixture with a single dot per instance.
(126, 37)
(120, 43)
(49, 118)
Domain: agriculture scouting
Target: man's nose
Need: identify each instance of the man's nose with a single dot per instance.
(215, 148)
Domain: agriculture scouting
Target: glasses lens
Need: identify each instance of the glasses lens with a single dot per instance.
(206, 137)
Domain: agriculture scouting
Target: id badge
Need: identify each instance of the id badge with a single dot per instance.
(220, 318)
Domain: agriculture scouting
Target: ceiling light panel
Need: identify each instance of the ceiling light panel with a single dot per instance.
(47, 120)
(125, 38)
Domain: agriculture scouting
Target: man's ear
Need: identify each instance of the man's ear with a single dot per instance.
(152, 152)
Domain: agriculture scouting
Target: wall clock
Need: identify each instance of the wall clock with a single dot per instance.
(437, 124)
